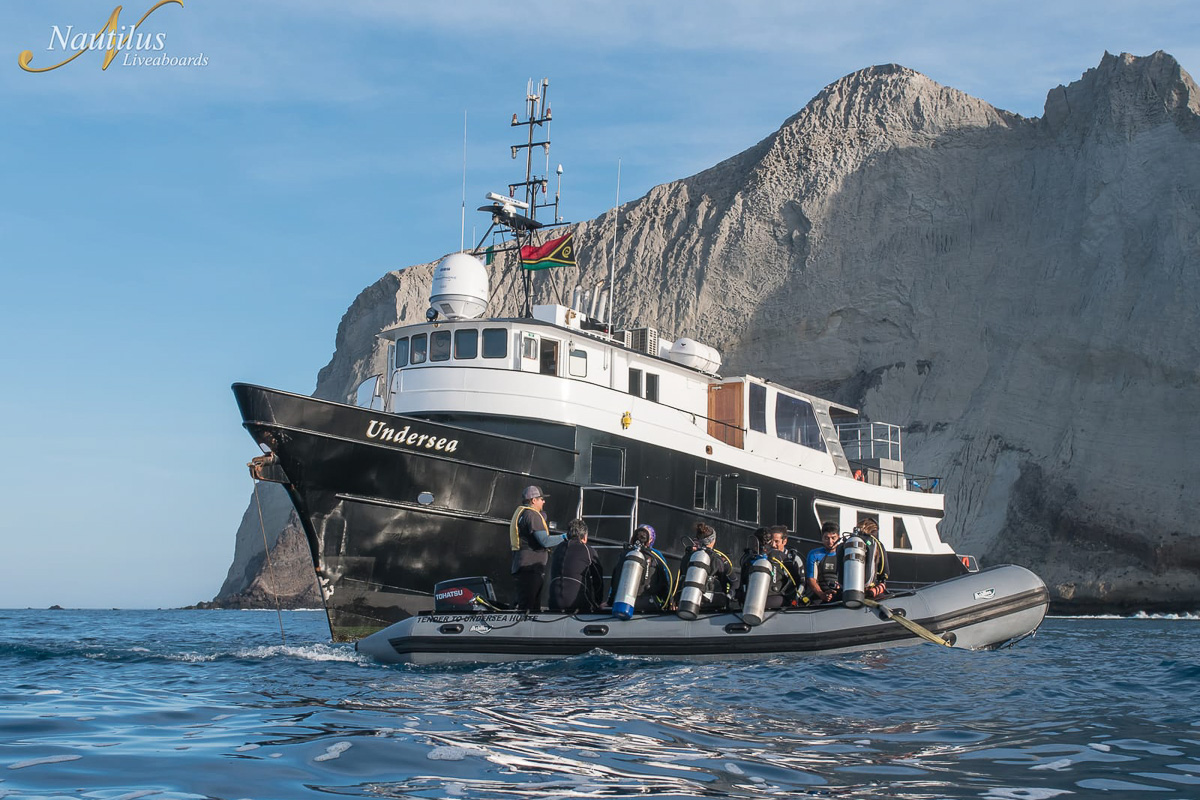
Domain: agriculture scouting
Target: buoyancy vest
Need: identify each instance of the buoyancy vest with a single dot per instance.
(828, 575)
(515, 539)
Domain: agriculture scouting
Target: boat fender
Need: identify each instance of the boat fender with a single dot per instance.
(698, 569)
(633, 569)
(758, 585)
(854, 570)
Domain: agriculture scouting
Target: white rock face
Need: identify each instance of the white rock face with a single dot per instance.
(1024, 294)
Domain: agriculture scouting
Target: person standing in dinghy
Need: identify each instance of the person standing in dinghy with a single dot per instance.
(531, 541)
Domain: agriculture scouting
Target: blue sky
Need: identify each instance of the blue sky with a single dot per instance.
(166, 231)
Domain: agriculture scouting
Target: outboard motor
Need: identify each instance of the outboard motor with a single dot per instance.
(633, 569)
(854, 570)
(758, 586)
(698, 569)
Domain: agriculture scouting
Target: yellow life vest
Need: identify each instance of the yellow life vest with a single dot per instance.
(514, 539)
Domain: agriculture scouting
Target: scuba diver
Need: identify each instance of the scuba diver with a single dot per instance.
(706, 576)
(642, 581)
(761, 547)
(825, 566)
(789, 564)
(822, 577)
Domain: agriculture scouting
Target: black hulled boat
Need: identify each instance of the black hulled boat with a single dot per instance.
(417, 482)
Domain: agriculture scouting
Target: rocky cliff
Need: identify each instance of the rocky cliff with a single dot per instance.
(1024, 294)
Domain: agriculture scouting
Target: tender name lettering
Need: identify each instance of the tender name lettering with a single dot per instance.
(494, 619)
(409, 438)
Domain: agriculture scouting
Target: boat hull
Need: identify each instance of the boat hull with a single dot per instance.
(980, 611)
(357, 478)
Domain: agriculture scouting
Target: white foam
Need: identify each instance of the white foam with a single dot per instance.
(47, 691)
(449, 753)
(333, 751)
(310, 652)
(37, 762)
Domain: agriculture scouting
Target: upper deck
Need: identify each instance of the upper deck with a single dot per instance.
(560, 357)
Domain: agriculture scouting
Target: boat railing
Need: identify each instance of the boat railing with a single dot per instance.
(876, 474)
(864, 441)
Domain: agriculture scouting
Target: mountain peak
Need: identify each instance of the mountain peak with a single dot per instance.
(1126, 93)
(890, 97)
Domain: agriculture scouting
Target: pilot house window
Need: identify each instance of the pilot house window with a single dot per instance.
(439, 346)
(495, 343)
(466, 343)
(796, 422)
(420, 349)
(758, 408)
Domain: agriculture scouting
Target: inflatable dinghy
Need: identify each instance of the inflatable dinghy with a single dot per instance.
(979, 611)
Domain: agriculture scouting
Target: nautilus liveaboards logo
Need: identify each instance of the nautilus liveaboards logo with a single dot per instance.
(140, 44)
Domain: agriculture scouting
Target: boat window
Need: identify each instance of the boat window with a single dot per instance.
(577, 363)
(549, 363)
(402, 352)
(651, 386)
(829, 514)
(529, 347)
(495, 343)
(635, 382)
(439, 346)
(758, 410)
(796, 422)
(747, 504)
(608, 465)
(708, 492)
(900, 540)
(785, 511)
(466, 343)
(420, 348)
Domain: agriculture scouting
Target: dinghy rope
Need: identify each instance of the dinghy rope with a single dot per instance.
(905, 622)
(267, 551)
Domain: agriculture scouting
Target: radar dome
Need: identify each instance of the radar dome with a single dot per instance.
(460, 287)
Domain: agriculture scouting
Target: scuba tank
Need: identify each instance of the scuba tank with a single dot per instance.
(758, 585)
(633, 569)
(698, 569)
(854, 570)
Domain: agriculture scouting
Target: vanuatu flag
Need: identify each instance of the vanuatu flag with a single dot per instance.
(558, 252)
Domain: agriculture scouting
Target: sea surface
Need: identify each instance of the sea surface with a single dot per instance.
(222, 704)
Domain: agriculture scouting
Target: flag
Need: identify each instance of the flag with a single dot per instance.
(558, 252)
(489, 255)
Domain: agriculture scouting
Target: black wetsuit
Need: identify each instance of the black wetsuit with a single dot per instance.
(576, 582)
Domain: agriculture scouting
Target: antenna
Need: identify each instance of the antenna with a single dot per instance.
(612, 261)
(462, 245)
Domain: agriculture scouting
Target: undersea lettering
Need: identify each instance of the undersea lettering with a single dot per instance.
(409, 438)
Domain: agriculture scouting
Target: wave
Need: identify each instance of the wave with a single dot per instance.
(1186, 616)
(92, 651)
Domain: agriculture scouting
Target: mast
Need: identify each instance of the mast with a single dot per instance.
(517, 212)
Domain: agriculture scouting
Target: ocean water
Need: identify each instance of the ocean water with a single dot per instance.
(215, 704)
